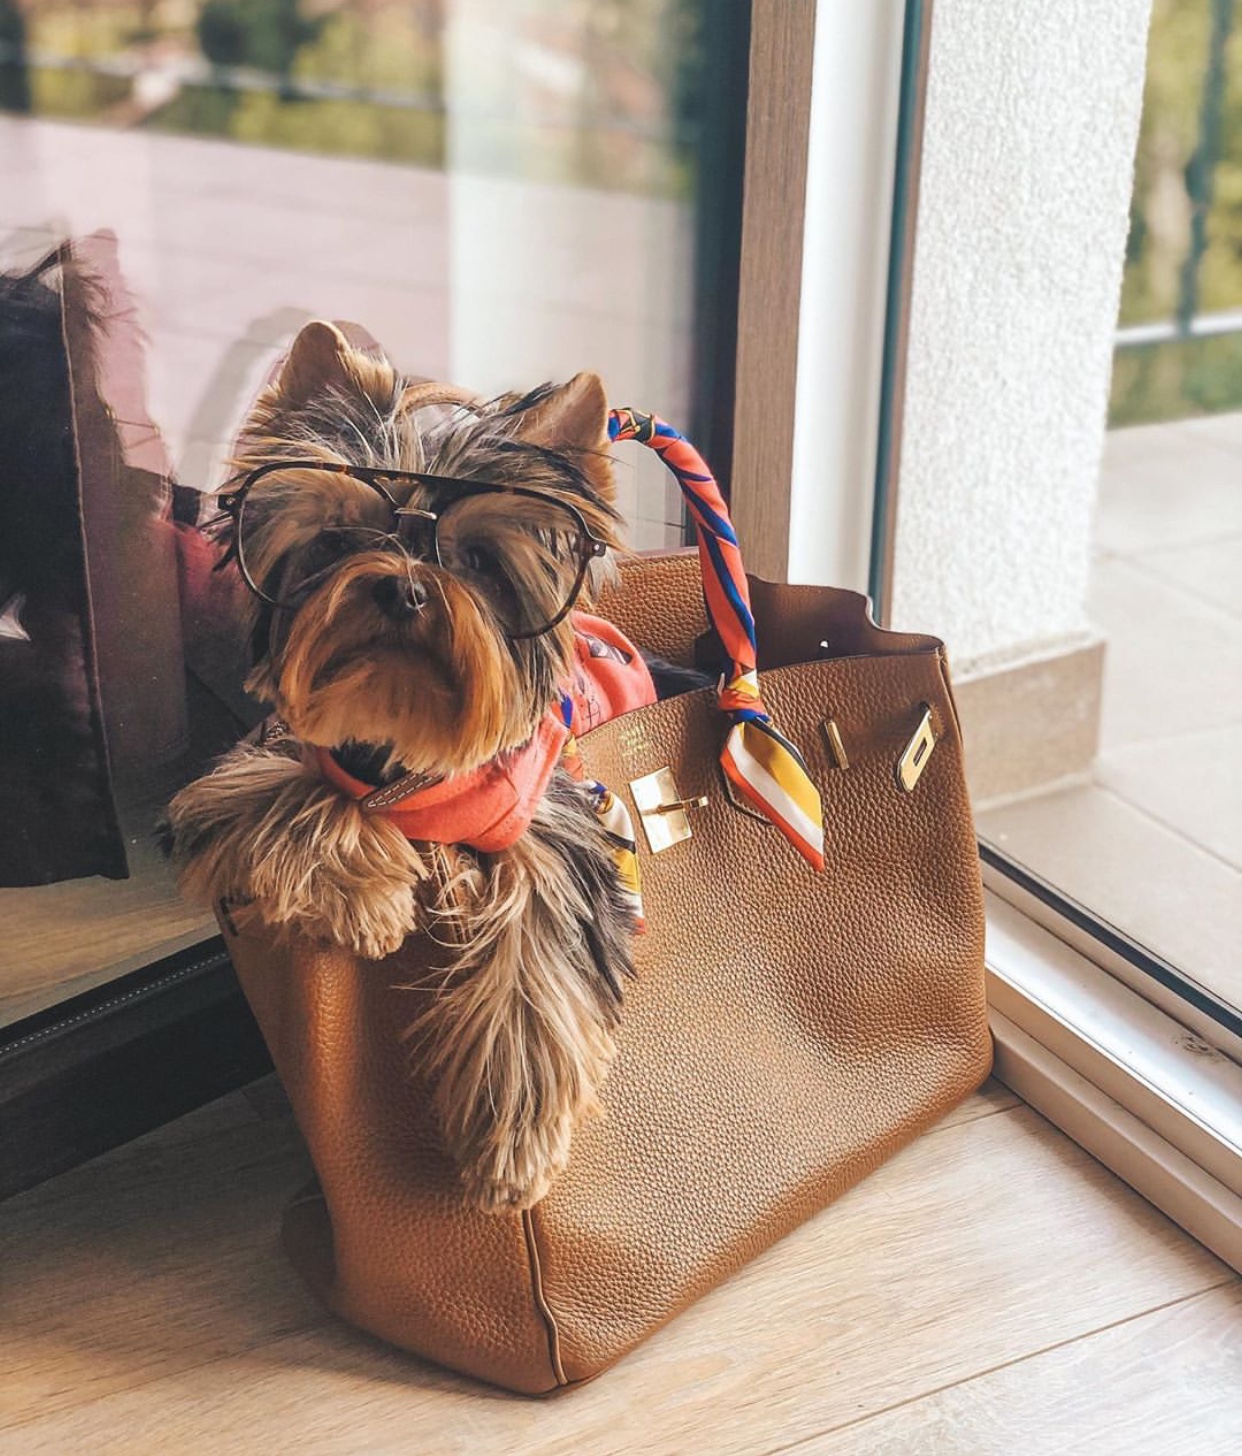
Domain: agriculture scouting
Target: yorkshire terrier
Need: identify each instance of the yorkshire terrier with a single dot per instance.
(413, 556)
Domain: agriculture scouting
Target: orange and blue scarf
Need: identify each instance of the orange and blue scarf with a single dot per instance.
(763, 766)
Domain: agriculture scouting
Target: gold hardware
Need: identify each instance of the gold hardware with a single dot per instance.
(662, 810)
(914, 757)
(836, 748)
(699, 802)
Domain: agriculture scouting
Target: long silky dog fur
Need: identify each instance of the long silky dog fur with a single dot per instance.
(518, 1034)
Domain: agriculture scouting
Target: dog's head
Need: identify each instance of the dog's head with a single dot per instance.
(413, 554)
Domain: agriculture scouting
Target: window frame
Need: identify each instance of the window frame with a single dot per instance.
(1072, 1001)
(1153, 1101)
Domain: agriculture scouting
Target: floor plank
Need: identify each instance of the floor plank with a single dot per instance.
(234, 1110)
(160, 1255)
(1166, 1382)
(991, 1098)
(985, 1242)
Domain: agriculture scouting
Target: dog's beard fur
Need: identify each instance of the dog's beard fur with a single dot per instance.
(259, 838)
(519, 1034)
(443, 692)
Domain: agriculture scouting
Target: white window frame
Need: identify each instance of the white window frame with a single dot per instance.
(1152, 1099)
(821, 127)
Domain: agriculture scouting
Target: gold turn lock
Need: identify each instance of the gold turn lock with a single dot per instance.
(662, 810)
(917, 752)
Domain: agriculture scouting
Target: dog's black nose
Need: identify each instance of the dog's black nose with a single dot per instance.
(398, 596)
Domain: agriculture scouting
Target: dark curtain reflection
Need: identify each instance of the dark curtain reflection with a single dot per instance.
(55, 791)
(92, 693)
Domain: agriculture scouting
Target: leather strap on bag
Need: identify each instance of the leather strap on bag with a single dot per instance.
(763, 766)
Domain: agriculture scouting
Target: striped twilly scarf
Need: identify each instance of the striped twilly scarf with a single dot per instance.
(491, 807)
(763, 766)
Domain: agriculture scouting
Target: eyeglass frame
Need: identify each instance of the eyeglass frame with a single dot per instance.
(232, 504)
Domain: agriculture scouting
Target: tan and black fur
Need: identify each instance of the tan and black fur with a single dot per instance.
(519, 1034)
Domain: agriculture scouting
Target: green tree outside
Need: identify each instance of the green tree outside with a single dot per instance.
(1191, 376)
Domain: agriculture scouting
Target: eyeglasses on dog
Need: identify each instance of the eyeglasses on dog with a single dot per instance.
(524, 552)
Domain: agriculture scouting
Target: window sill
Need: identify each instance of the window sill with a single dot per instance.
(1152, 1100)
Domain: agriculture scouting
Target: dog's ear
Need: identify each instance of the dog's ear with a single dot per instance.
(572, 419)
(317, 360)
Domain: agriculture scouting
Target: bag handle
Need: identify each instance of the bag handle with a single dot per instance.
(763, 766)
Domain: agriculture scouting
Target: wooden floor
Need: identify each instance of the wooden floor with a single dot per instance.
(992, 1290)
(62, 939)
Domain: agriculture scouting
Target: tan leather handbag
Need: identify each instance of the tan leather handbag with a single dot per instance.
(787, 1030)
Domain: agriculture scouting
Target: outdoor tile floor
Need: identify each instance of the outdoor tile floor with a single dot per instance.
(1153, 842)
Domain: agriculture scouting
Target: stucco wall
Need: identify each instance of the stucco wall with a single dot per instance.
(1032, 117)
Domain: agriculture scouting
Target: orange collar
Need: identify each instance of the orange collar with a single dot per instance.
(488, 808)
(491, 807)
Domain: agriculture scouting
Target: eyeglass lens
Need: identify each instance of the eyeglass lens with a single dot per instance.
(522, 555)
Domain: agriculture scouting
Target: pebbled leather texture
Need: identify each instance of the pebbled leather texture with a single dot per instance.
(657, 601)
(787, 1031)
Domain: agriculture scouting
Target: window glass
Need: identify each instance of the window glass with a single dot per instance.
(1152, 844)
(500, 195)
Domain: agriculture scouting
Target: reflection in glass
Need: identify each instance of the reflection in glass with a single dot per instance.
(504, 194)
(1151, 842)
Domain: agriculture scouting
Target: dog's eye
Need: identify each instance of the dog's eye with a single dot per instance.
(319, 557)
(329, 546)
(479, 559)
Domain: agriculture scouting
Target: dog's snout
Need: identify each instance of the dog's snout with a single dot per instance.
(398, 596)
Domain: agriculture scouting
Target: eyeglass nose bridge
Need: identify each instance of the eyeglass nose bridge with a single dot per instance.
(409, 521)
